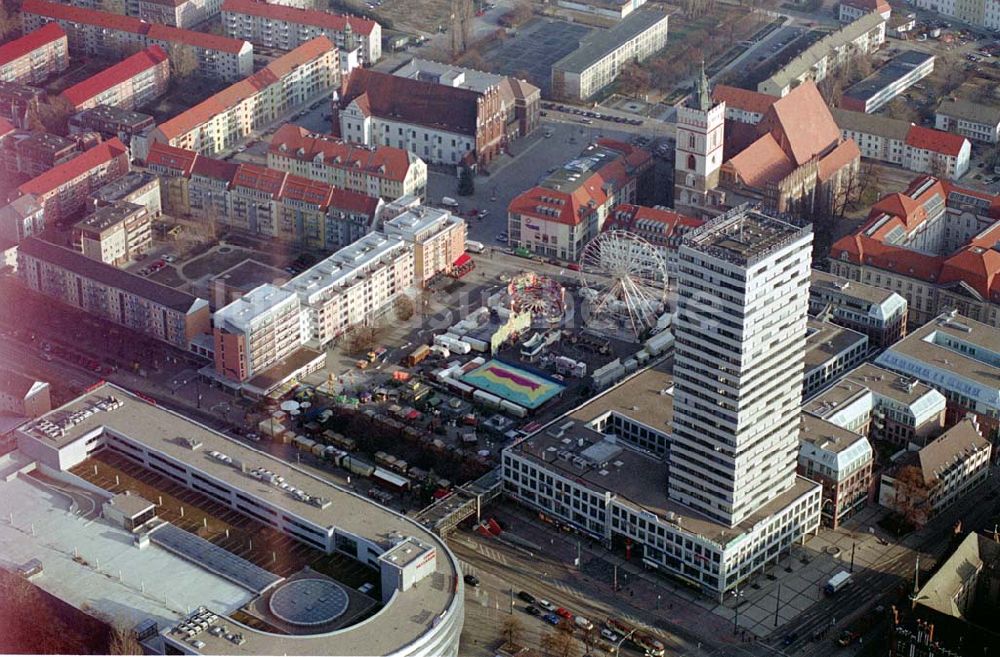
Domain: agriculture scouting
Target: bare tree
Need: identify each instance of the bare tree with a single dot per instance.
(559, 643)
(911, 494)
(363, 338)
(512, 630)
(404, 307)
(10, 22)
(52, 115)
(183, 60)
(122, 641)
(900, 109)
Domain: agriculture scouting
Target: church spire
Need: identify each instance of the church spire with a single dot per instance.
(702, 90)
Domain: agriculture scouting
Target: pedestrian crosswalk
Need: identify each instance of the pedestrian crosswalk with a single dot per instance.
(491, 554)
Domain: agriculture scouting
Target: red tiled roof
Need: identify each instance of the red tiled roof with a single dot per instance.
(761, 163)
(801, 123)
(168, 157)
(31, 41)
(6, 127)
(318, 18)
(744, 99)
(308, 191)
(246, 88)
(977, 264)
(208, 167)
(73, 14)
(196, 39)
(937, 141)
(129, 67)
(869, 5)
(79, 165)
(260, 178)
(351, 201)
(451, 109)
(380, 161)
(641, 220)
(845, 153)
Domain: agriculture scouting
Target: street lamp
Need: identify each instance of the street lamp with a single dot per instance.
(738, 594)
(623, 640)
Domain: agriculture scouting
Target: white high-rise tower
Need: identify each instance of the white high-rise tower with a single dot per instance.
(743, 295)
(698, 152)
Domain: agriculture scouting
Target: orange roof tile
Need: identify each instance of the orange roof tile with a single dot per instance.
(298, 16)
(34, 40)
(260, 178)
(129, 67)
(744, 99)
(762, 163)
(171, 158)
(641, 220)
(237, 92)
(295, 142)
(937, 141)
(84, 16)
(196, 39)
(6, 127)
(845, 153)
(801, 124)
(79, 165)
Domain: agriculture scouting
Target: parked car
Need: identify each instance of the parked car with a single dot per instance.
(551, 619)
(471, 580)
(611, 636)
(565, 613)
(545, 604)
(532, 610)
(527, 597)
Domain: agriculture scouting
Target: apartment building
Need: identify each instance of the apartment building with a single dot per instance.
(831, 351)
(602, 54)
(980, 13)
(134, 302)
(920, 484)
(851, 10)
(841, 462)
(21, 218)
(877, 313)
(383, 172)
(663, 229)
(439, 123)
(881, 87)
(353, 286)
(913, 147)
(100, 34)
(62, 190)
(520, 101)
(977, 122)
(175, 13)
(129, 84)
(34, 153)
(743, 105)
(882, 405)
(110, 122)
(614, 9)
(114, 234)
(285, 28)
(18, 102)
(560, 215)
(35, 56)
(934, 244)
(262, 201)
(436, 236)
(255, 332)
(224, 120)
(138, 187)
(961, 358)
(859, 38)
(22, 395)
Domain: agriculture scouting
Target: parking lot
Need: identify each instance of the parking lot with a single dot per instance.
(536, 47)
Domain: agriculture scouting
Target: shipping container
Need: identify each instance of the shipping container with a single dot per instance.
(391, 480)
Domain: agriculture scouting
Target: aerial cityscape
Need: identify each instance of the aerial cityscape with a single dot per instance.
(500, 328)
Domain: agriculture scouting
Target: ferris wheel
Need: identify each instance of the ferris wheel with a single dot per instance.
(624, 282)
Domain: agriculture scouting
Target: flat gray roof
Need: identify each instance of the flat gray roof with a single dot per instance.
(826, 341)
(408, 615)
(822, 281)
(627, 472)
(600, 43)
(896, 69)
(742, 236)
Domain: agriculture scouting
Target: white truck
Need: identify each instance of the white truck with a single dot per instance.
(474, 247)
(837, 582)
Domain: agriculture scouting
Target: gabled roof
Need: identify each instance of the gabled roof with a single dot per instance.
(57, 11)
(178, 160)
(129, 67)
(845, 153)
(936, 141)
(260, 179)
(955, 444)
(872, 124)
(450, 109)
(762, 163)
(322, 19)
(31, 41)
(656, 225)
(107, 275)
(297, 143)
(6, 127)
(207, 167)
(974, 112)
(868, 5)
(237, 92)
(801, 123)
(345, 199)
(744, 99)
(196, 39)
(79, 165)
